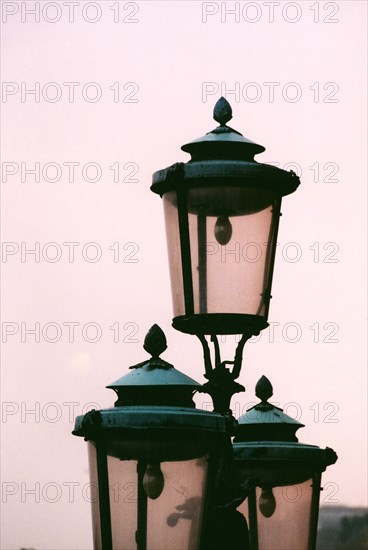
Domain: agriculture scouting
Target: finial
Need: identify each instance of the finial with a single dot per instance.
(155, 341)
(264, 389)
(222, 111)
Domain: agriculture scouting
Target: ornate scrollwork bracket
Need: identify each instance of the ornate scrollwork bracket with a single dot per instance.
(221, 383)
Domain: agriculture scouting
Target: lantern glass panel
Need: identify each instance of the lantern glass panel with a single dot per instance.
(123, 502)
(280, 517)
(165, 510)
(232, 235)
(175, 517)
(173, 248)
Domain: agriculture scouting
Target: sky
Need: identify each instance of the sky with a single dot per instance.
(96, 96)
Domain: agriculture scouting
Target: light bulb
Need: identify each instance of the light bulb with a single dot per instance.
(223, 230)
(267, 503)
(153, 481)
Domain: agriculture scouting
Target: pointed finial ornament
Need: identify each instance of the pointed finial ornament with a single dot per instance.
(264, 389)
(155, 341)
(222, 111)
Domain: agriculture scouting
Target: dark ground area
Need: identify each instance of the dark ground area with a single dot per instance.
(342, 528)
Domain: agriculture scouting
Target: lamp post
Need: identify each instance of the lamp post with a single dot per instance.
(191, 488)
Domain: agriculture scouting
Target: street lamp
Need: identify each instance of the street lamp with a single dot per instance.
(280, 477)
(189, 487)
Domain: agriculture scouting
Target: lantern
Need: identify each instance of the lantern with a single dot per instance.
(280, 477)
(149, 458)
(222, 212)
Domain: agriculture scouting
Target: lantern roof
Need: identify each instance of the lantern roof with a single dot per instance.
(224, 157)
(223, 141)
(155, 400)
(266, 422)
(265, 445)
(154, 381)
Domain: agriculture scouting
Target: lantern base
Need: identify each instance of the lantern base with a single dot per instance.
(220, 323)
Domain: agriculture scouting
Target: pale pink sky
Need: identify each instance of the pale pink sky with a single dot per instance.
(169, 66)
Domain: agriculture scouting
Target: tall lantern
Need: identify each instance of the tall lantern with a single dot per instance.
(222, 212)
(150, 458)
(280, 477)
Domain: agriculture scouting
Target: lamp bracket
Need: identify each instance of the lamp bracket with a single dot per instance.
(221, 383)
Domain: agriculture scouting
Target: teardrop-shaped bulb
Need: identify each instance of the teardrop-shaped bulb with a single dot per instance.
(153, 481)
(267, 503)
(223, 230)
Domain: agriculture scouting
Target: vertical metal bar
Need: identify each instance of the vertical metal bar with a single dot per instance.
(194, 539)
(316, 488)
(202, 261)
(104, 497)
(238, 359)
(209, 498)
(271, 253)
(253, 528)
(141, 535)
(186, 263)
(206, 355)
(217, 350)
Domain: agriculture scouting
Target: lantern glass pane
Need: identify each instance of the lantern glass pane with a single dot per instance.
(173, 248)
(232, 236)
(96, 527)
(171, 518)
(123, 501)
(280, 517)
(175, 517)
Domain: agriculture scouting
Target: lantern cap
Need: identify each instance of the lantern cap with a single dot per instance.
(154, 381)
(264, 421)
(224, 157)
(265, 445)
(223, 142)
(154, 418)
